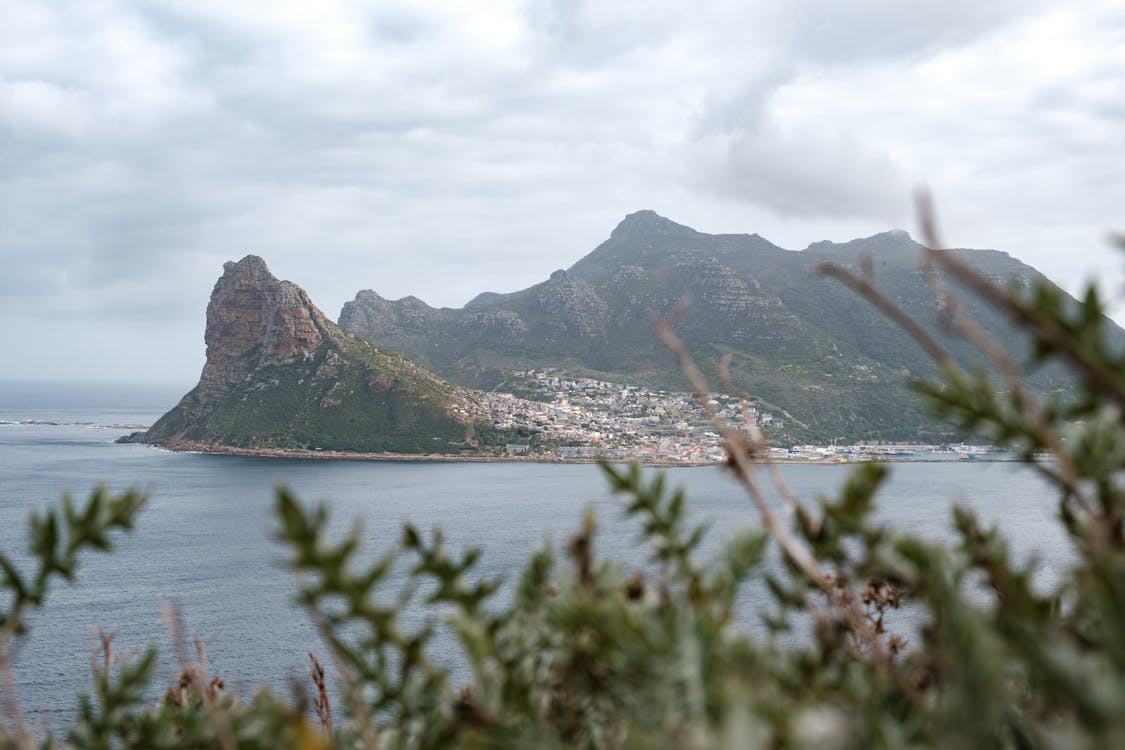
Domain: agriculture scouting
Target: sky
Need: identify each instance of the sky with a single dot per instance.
(446, 148)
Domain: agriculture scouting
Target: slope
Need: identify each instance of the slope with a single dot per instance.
(803, 346)
(280, 375)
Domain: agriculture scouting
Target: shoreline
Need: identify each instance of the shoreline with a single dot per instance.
(289, 453)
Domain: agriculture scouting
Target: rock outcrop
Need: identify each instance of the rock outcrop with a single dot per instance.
(572, 306)
(280, 376)
(253, 319)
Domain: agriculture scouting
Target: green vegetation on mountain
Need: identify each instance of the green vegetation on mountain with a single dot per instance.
(801, 345)
(294, 406)
(279, 375)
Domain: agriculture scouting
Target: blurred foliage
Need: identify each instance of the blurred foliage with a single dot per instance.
(581, 652)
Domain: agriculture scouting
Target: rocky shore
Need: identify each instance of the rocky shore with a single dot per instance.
(287, 453)
(226, 450)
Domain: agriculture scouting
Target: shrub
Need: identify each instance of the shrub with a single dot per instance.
(589, 655)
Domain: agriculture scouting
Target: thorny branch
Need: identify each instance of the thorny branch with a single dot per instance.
(103, 649)
(760, 447)
(1094, 372)
(17, 724)
(196, 675)
(348, 682)
(320, 703)
(738, 449)
(1067, 476)
(741, 453)
(744, 446)
(865, 288)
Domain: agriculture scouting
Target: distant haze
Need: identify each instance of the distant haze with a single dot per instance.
(446, 148)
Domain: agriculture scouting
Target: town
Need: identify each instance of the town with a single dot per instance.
(566, 418)
(575, 417)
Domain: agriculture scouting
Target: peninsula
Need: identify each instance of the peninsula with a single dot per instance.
(572, 369)
(279, 375)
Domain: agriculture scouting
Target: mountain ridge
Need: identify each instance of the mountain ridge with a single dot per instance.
(796, 341)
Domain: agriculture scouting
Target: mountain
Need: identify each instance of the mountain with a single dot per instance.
(280, 375)
(805, 348)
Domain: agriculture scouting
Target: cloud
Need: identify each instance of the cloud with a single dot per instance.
(442, 148)
(809, 163)
(804, 173)
(742, 150)
(872, 31)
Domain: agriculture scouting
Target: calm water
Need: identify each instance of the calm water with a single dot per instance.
(205, 540)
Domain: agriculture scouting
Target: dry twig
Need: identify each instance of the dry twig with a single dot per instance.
(738, 449)
(1067, 476)
(359, 710)
(195, 676)
(320, 702)
(17, 726)
(761, 448)
(1095, 373)
(741, 457)
(865, 288)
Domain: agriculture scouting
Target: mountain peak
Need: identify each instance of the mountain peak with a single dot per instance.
(646, 239)
(895, 243)
(251, 311)
(251, 266)
(894, 238)
(647, 221)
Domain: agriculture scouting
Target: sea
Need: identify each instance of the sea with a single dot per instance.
(206, 542)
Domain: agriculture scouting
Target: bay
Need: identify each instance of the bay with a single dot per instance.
(205, 541)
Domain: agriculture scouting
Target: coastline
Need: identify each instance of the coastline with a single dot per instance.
(290, 453)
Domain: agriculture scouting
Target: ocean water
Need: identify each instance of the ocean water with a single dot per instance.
(205, 541)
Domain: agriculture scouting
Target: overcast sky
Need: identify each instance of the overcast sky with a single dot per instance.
(447, 148)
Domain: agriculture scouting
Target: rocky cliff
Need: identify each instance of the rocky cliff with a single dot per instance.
(807, 349)
(280, 375)
(252, 320)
